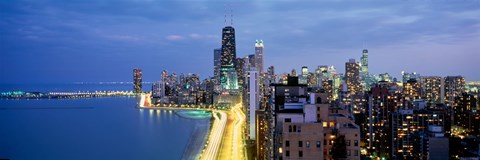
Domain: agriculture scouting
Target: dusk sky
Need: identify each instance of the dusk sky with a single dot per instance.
(58, 41)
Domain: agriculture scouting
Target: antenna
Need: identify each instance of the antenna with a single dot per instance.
(231, 13)
(225, 13)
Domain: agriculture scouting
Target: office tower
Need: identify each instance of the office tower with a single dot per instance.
(432, 85)
(294, 72)
(364, 63)
(228, 73)
(252, 100)
(303, 78)
(352, 77)
(454, 86)
(385, 77)
(217, 55)
(407, 76)
(259, 55)
(137, 80)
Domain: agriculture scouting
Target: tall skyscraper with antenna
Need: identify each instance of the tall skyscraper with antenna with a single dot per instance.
(228, 74)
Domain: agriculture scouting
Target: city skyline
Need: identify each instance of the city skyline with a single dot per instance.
(102, 41)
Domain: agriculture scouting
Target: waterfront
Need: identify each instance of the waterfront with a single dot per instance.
(94, 128)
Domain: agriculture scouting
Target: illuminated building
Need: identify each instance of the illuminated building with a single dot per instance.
(352, 77)
(241, 67)
(217, 55)
(306, 126)
(137, 80)
(328, 88)
(385, 77)
(364, 63)
(454, 86)
(252, 100)
(259, 55)
(303, 78)
(263, 136)
(412, 89)
(228, 72)
(405, 123)
(431, 144)
(432, 86)
(466, 114)
(407, 76)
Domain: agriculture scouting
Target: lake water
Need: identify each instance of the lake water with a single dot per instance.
(96, 128)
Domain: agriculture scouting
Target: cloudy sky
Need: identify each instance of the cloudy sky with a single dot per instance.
(51, 41)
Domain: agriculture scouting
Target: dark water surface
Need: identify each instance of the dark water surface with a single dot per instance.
(97, 128)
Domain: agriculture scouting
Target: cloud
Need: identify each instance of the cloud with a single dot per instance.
(398, 20)
(174, 37)
(203, 37)
(124, 37)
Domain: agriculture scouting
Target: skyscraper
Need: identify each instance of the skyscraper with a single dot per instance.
(137, 80)
(352, 77)
(228, 73)
(364, 63)
(217, 63)
(454, 86)
(432, 86)
(259, 55)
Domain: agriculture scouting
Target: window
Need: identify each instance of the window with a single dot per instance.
(356, 143)
(348, 142)
(288, 120)
(325, 124)
(300, 153)
(294, 128)
(299, 129)
(308, 144)
(318, 108)
(287, 153)
(355, 153)
(300, 144)
(324, 142)
(289, 128)
(287, 143)
(318, 144)
(349, 153)
(331, 142)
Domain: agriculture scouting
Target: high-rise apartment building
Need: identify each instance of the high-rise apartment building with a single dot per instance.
(137, 80)
(252, 100)
(454, 86)
(352, 77)
(432, 86)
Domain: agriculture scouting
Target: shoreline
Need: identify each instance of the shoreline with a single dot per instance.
(197, 141)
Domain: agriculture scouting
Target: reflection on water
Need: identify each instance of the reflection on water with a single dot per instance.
(114, 129)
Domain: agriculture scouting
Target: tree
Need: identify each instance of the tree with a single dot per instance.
(339, 148)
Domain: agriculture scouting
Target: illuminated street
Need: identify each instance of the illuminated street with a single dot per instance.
(215, 137)
(232, 143)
